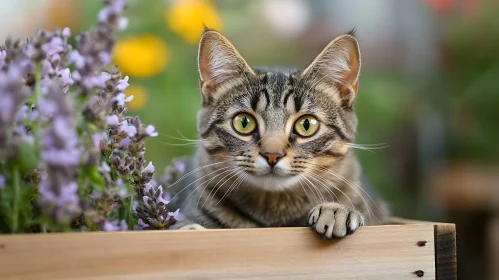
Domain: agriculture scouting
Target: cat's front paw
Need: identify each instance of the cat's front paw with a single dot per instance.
(192, 227)
(334, 220)
(187, 225)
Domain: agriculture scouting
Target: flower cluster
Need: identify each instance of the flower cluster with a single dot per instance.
(70, 159)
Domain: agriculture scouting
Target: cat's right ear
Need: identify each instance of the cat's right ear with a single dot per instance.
(219, 63)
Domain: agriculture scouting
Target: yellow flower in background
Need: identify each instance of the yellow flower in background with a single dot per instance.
(143, 55)
(186, 18)
(139, 97)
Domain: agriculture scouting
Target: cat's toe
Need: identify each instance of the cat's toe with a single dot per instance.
(334, 220)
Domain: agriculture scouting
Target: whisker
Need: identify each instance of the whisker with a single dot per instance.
(196, 170)
(354, 186)
(200, 179)
(241, 179)
(330, 192)
(323, 200)
(215, 189)
(355, 189)
(230, 171)
(179, 144)
(367, 147)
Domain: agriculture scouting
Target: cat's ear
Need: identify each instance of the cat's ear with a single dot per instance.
(337, 66)
(218, 62)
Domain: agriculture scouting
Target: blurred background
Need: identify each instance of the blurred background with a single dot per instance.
(429, 89)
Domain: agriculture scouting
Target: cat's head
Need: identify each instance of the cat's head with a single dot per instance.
(276, 125)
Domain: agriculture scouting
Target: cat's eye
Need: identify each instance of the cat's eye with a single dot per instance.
(306, 126)
(244, 123)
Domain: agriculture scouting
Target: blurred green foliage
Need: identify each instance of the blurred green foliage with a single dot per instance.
(463, 91)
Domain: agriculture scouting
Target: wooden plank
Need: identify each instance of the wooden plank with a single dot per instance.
(445, 251)
(377, 252)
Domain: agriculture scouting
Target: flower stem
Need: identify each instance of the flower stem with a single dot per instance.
(129, 213)
(15, 208)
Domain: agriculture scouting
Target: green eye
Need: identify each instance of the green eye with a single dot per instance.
(306, 126)
(244, 123)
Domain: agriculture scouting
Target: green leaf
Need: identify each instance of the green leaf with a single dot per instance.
(26, 158)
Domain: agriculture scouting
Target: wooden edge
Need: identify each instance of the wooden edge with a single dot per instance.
(373, 252)
(402, 221)
(445, 251)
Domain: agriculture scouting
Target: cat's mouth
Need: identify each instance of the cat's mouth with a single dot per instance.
(273, 180)
(275, 172)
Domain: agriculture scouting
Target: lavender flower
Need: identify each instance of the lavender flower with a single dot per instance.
(100, 157)
(154, 214)
(114, 225)
(61, 157)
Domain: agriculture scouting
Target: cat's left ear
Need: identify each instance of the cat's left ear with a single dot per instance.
(219, 63)
(337, 67)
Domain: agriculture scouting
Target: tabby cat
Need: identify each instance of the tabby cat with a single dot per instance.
(276, 144)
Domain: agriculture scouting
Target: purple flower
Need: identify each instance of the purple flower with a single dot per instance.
(122, 84)
(112, 120)
(61, 157)
(176, 215)
(149, 168)
(54, 46)
(105, 58)
(76, 76)
(7, 105)
(48, 108)
(115, 226)
(64, 131)
(2, 182)
(121, 99)
(148, 187)
(160, 198)
(65, 75)
(67, 196)
(47, 68)
(130, 130)
(56, 58)
(150, 131)
(95, 195)
(76, 58)
(104, 167)
(140, 225)
(98, 138)
(99, 81)
(125, 143)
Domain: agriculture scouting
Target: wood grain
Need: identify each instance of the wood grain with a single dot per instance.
(445, 251)
(377, 252)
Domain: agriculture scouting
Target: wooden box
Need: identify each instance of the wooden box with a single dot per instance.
(414, 250)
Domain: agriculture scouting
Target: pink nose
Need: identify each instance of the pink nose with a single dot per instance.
(273, 158)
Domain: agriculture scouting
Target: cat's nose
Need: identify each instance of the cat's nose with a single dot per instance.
(273, 158)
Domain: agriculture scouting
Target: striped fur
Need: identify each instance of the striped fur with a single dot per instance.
(233, 187)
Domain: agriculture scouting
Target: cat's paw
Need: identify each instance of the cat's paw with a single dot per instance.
(192, 227)
(187, 225)
(334, 220)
